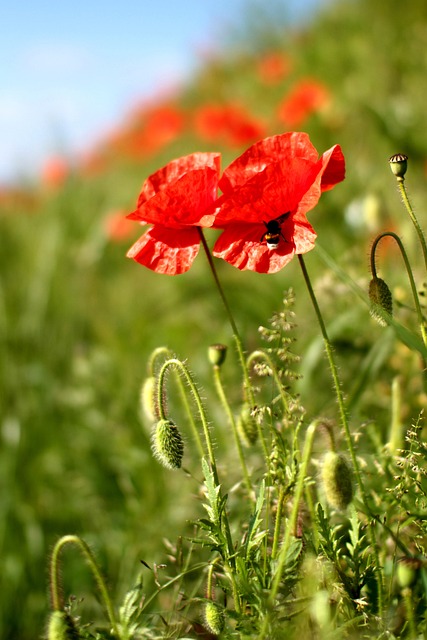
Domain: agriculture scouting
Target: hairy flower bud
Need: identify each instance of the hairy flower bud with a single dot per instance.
(217, 354)
(214, 617)
(398, 165)
(167, 444)
(337, 477)
(246, 426)
(61, 627)
(380, 296)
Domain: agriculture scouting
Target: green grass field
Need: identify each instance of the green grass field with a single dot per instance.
(78, 322)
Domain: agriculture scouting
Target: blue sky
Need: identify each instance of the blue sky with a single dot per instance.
(70, 70)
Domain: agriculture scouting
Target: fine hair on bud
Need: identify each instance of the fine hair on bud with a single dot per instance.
(337, 479)
(246, 426)
(214, 617)
(61, 627)
(381, 298)
(148, 398)
(167, 444)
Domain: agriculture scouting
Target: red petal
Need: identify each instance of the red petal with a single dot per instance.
(186, 201)
(167, 251)
(240, 245)
(278, 148)
(175, 170)
(334, 167)
(268, 194)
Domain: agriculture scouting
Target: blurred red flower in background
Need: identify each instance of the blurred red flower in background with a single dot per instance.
(229, 124)
(279, 175)
(307, 97)
(118, 227)
(273, 67)
(148, 130)
(55, 171)
(176, 200)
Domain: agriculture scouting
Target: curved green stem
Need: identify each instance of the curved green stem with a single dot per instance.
(408, 206)
(167, 353)
(182, 369)
(345, 424)
(393, 235)
(223, 399)
(55, 591)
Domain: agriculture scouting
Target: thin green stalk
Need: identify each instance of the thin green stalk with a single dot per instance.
(277, 523)
(408, 206)
(180, 366)
(410, 276)
(345, 424)
(223, 399)
(259, 354)
(239, 344)
(55, 590)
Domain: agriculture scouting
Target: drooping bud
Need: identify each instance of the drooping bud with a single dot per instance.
(398, 165)
(167, 444)
(337, 477)
(148, 398)
(217, 354)
(380, 296)
(61, 627)
(246, 426)
(214, 617)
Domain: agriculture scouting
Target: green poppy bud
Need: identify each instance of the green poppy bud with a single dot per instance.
(217, 354)
(398, 165)
(380, 296)
(337, 477)
(214, 617)
(167, 444)
(61, 627)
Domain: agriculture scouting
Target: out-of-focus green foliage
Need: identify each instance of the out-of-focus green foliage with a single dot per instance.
(78, 321)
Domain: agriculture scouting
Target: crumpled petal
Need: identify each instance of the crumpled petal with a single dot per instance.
(167, 251)
(186, 201)
(256, 158)
(241, 246)
(175, 170)
(279, 188)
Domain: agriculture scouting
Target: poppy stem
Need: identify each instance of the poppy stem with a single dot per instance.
(344, 421)
(249, 395)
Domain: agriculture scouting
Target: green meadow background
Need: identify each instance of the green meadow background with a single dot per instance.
(78, 320)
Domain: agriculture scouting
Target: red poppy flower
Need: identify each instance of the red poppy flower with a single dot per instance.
(266, 193)
(176, 200)
(306, 97)
(229, 124)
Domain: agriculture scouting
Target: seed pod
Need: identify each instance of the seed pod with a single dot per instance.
(167, 444)
(61, 627)
(337, 477)
(380, 296)
(399, 164)
(217, 354)
(214, 617)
